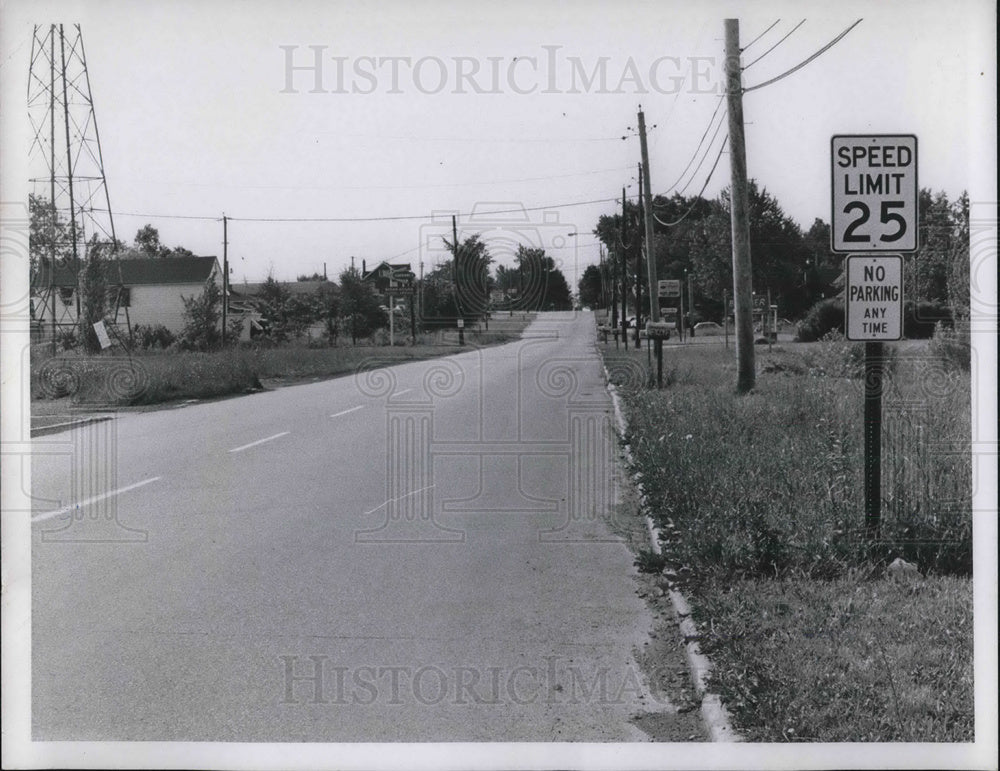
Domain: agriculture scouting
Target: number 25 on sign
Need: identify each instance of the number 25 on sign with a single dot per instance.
(874, 181)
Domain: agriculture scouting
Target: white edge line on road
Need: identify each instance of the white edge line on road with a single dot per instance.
(93, 499)
(259, 441)
(394, 500)
(344, 412)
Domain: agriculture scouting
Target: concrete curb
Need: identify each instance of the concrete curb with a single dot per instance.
(57, 427)
(713, 711)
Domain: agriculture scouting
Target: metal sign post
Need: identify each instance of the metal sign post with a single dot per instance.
(873, 306)
(874, 187)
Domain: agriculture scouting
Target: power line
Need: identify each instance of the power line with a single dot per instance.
(697, 197)
(404, 187)
(804, 62)
(495, 140)
(760, 35)
(747, 66)
(422, 216)
(167, 216)
(698, 148)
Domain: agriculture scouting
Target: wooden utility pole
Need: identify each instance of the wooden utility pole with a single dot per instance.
(458, 307)
(638, 266)
(654, 302)
(624, 254)
(742, 301)
(225, 274)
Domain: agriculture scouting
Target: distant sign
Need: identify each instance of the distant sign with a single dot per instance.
(102, 335)
(874, 193)
(668, 288)
(657, 330)
(461, 323)
(874, 306)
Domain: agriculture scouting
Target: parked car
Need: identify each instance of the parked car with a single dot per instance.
(705, 328)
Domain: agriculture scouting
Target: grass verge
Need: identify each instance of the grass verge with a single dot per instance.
(760, 498)
(156, 377)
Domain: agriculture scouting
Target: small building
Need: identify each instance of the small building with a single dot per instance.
(387, 275)
(245, 302)
(148, 291)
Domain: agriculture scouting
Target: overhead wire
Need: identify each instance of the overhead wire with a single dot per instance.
(700, 192)
(747, 66)
(760, 36)
(804, 62)
(698, 148)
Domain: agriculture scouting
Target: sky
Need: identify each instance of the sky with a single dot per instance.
(200, 115)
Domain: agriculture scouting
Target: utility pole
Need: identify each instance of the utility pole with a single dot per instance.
(458, 307)
(654, 303)
(225, 274)
(638, 266)
(742, 302)
(690, 284)
(624, 254)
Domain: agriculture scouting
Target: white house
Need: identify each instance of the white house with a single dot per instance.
(149, 290)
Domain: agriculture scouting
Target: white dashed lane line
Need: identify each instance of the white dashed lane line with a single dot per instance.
(345, 412)
(94, 499)
(259, 441)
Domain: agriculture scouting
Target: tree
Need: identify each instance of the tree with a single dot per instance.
(201, 316)
(48, 236)
(313, 277)
(931, 267)
(359, 306)
(438, 306)
(473, 281)
(327, 300)
(147, 243)
(272, 302)
(590, 286)
(959, 274)
(93, 298)
(545, 287)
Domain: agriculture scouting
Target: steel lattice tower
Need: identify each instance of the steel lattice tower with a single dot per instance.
(67, 166)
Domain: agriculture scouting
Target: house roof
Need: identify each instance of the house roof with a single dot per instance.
(247, 289)
(379, 271)
(135, 272)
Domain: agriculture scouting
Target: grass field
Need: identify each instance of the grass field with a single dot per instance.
(760, 498)
(155, 377)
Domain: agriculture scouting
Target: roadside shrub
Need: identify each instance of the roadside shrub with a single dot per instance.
(771, 483)
(825, 316)
(921, 318)
(66, 339)
(953, 346)
(148, 336)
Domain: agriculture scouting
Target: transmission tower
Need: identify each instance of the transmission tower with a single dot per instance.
(67, 168)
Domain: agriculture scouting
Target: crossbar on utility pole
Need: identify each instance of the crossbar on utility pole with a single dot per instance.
(742, 301)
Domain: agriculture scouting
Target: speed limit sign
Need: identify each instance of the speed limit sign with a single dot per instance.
(874, 193)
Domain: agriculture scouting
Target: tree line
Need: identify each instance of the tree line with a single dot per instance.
(467, 286)
(692, 240)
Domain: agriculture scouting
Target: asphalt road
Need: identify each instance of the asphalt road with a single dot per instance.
(419, 553)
